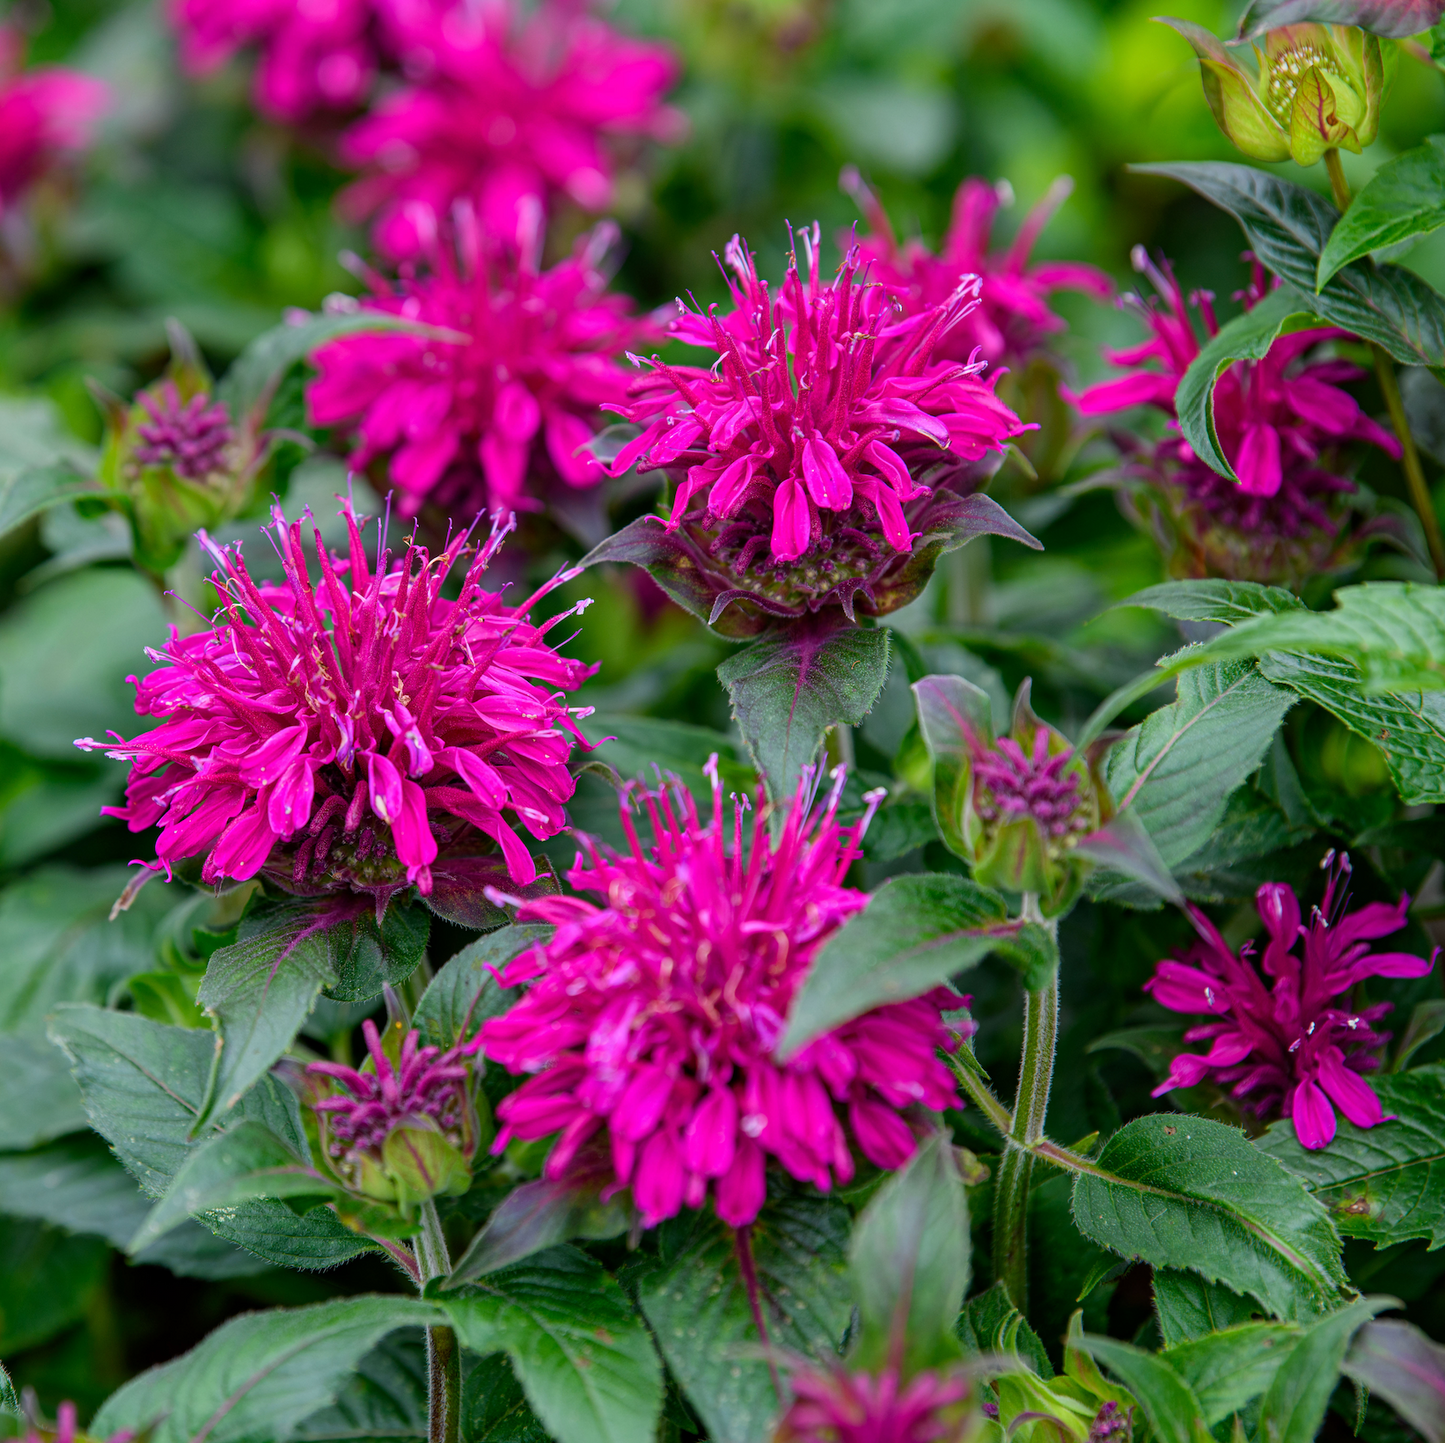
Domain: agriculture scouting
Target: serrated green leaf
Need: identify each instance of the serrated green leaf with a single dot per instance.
(384, 1400)
(1229, 602)
(1174, 1413)
(1385, 1183)
(494, 1407)
(245, 1162)
(989, 1323)
(786, 691)
(1407, 1369)
(1185, 1192)
(579, 1350)
(1294, 1407)
(143, 1082)
(1227, 1369)
(78, 1185)
(916, 932)
(258, 1376)
(698, 1308)
(1405, 198)
(1177, 768)
(1247, 337)
(1288, 228)
(909, 1263)
(465, 993)
(1187, 1307)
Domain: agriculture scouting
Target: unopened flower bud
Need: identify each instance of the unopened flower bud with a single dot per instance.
(1318, 87)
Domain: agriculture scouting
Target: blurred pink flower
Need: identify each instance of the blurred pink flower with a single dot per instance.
(315, 55)
(504, 103)
(824, 413)
(44, 113)
(190, 436)
(65, 1430)
(657, 1014)
(1287, 1051)
(836, 1406)
(1274, 417)
(513, 403)
(1012, 317)
(339, 735)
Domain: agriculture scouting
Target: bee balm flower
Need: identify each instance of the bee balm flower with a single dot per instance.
(1285, 1047)
(655, 1014)
(838, 1406)
(343, 734)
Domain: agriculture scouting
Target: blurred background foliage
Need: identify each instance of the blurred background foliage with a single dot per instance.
(191, 206)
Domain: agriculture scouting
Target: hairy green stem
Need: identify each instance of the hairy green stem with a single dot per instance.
(1036, 1073)
(443, 1355)
(980, 1094)
(1390, 390)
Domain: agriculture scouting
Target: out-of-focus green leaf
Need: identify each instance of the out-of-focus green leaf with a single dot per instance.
(1185, 1192)
(1396, 1360)
(28, 493)
(1394, 18)
(38, 1096)
(47, 1280)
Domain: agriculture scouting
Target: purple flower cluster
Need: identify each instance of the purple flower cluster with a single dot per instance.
(1287, 1047)
(838, 1406)
(1014, 784)
(190, 437)
(656, 1014)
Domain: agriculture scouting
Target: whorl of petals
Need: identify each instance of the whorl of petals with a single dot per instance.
(508, 103)
(836, 1406)
(514, 398)
(656, 1014)
(1287, 1049)
(1275, 418)
(338, 733)
(1012, 319)
(823, 413)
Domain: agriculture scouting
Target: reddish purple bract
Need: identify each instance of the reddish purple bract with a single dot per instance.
(189, 436)
(1030, 784)
(1288, 1050)
(824, 413)
(657, 1013)
(341, 735)
(484, 422)
(1012, 318)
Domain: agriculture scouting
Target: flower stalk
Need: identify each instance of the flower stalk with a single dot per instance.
(1036, 1071)
(1390, 390)
(443, 1355)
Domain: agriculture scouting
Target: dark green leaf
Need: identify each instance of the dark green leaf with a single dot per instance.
(1397, 1361)
(642, 746)
(1184, 1192)
(494, 1408)
(464, 994)
(38, 1096)
(1294, 1407)
(384, 1401)
(246, 1161)
(1177, 768)
(990, 1323)
(1395, 18)
(786, 691)
(698, 1308)
(1174, 1413)
(1427, 1022)
(47, 1281)
(909, 1262)
(578, 1348)
(78, 1185)
(143, 1083)
(1186, 1306)
(1247, 337)
(539, 1215)
(258, 1376)
(916, 932)
(29, 492)
(1405, 198)
(1227, 1369)
(1288, 227)
(1385, 1183)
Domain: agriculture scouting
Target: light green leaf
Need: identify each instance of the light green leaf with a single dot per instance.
(27, 493)
(38, 1096)
(1229, 1368)
(578, 1348)
(1174, 1413)
(1184, 1192)
(1405, 198)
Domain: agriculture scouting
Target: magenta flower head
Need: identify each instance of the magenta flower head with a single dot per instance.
(1290, 1046)
(190, 436)
(1281, 422)
(824, 454)
(354, 732)
(509, 102)
(837, 1406)
(1012, 319)
(656, 1013)
(44, 115)
(494, 417)
(403, 1128)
